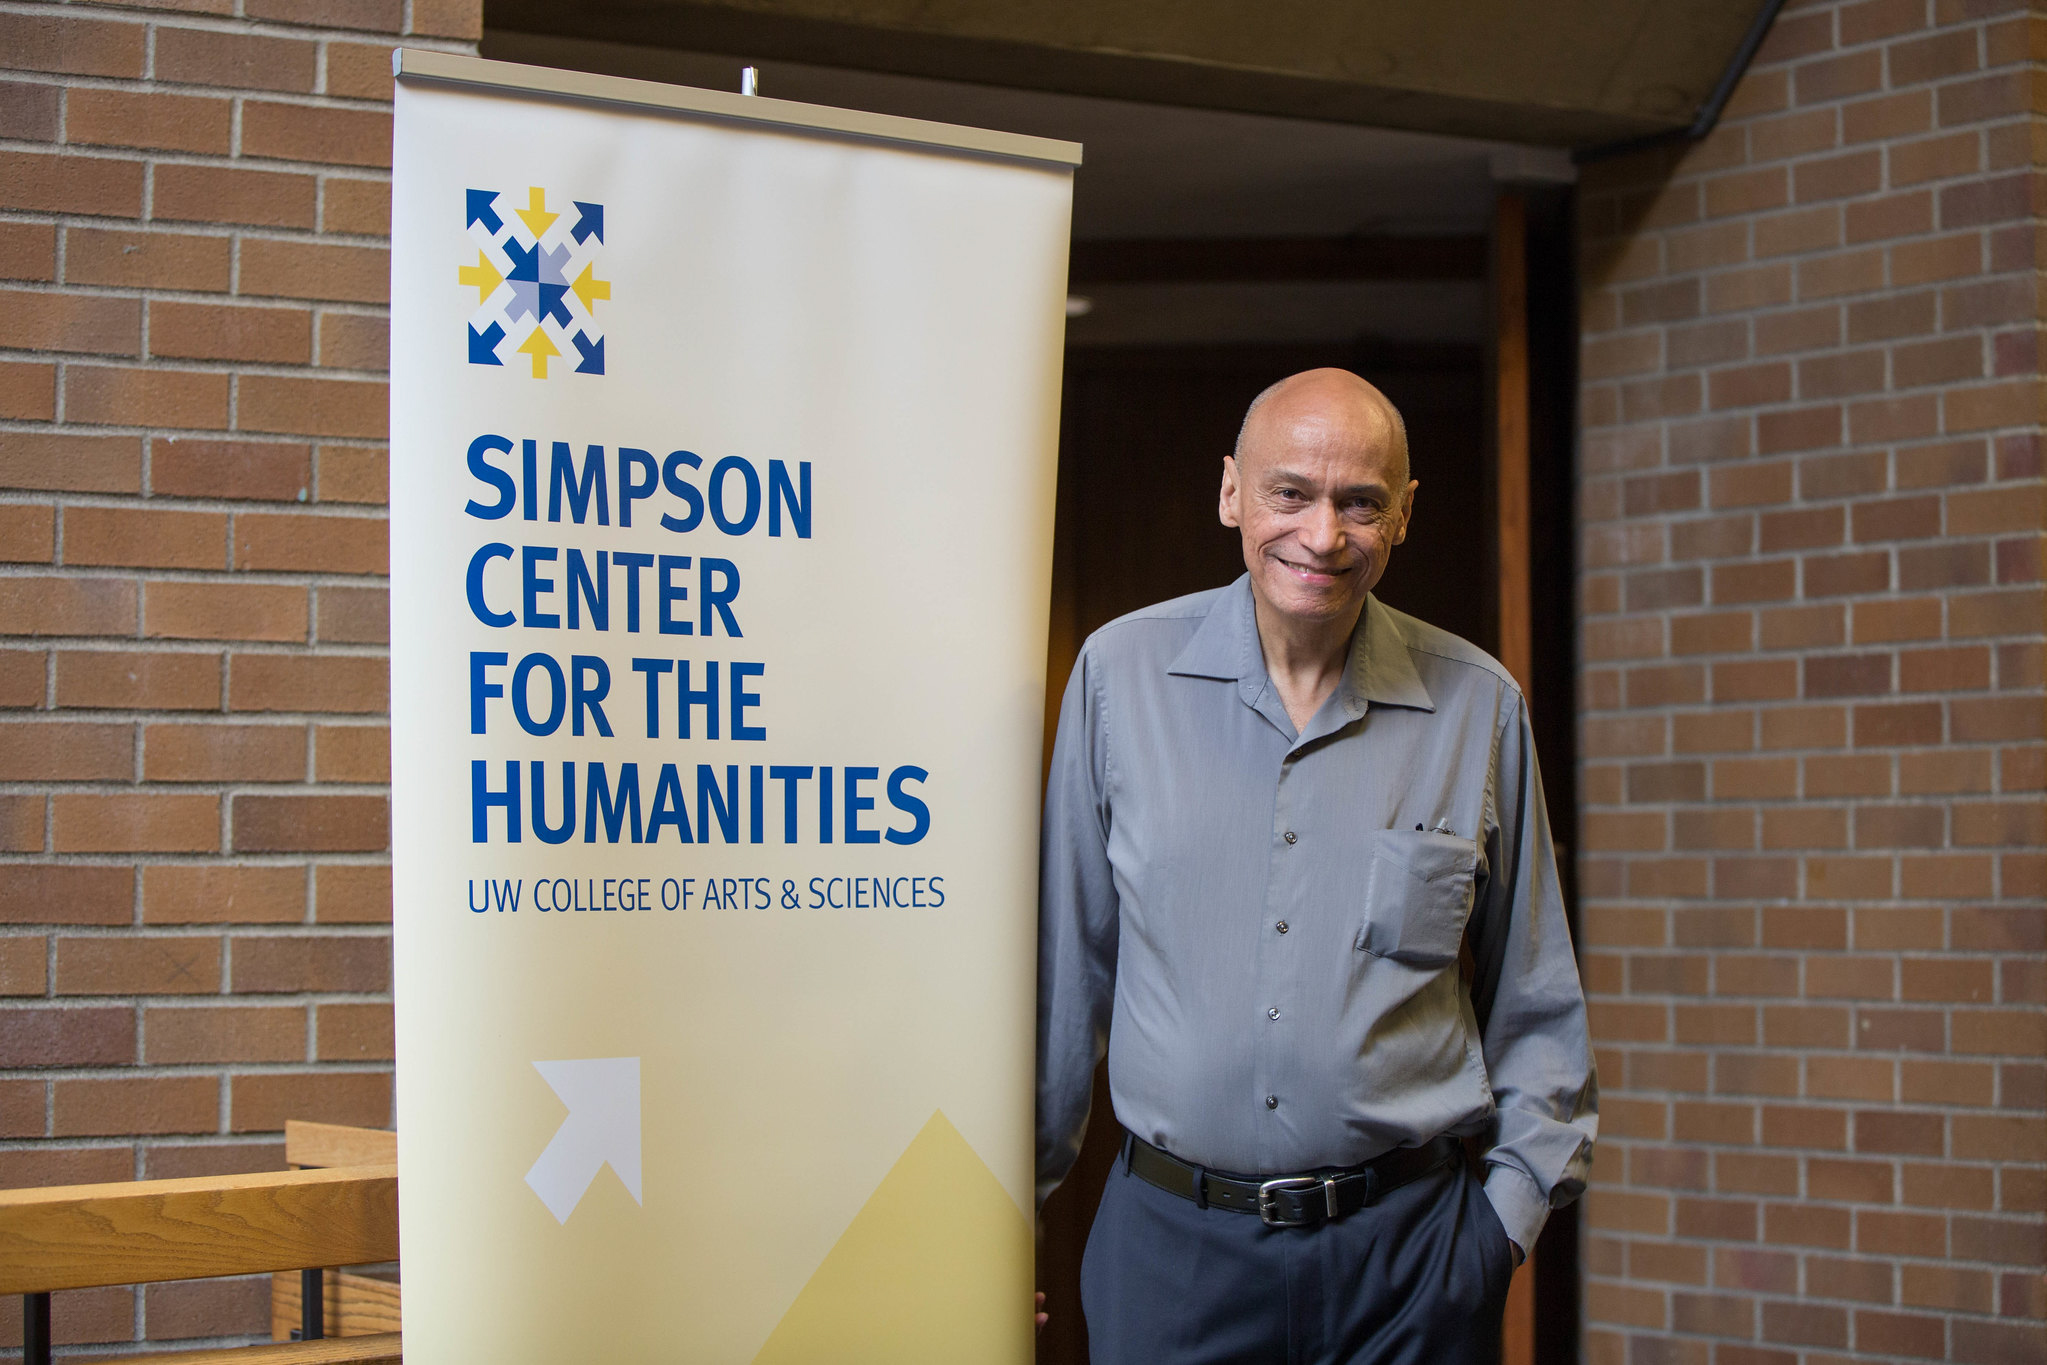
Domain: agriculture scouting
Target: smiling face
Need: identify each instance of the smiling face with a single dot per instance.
(1318, 489)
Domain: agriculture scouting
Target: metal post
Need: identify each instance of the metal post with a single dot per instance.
(35, 1329)
(312, 1305)
(749, 80)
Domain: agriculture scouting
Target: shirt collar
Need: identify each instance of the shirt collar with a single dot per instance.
(1381, 667)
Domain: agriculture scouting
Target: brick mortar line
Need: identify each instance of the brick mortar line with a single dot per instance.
(127, 644)
(33, 719)
(1649, 175)
(77, 1004)
(1792, 1345)
(171, 507)
(188, 228)
(1744, 1196)
(1882, 149)
(1886, 645)
(142, 293)
(189, 89)
(1795, 404)
(215, 929)
(173, 1071)
(283, 857)
(28, 720)
(171, 156)
(143, 17)
(366, 513)
(99, 360)
(1886, 346)
(1889, 1308)
(289, 787)
(1877, 293)
(119, 1142)
(1673, 275)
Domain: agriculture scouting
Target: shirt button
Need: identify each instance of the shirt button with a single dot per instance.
(1289, 836)
(1272, 1101)
(1272, 1013)
(1281, 926)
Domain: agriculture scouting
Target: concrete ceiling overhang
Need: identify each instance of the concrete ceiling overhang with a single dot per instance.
(1569, 74)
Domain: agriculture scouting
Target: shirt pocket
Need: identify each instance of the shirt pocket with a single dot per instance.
(1418, 890)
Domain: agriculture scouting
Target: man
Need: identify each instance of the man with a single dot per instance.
(1297, 877)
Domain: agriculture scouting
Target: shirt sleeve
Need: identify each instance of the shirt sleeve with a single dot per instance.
(1530, 1005)
(1076, 929)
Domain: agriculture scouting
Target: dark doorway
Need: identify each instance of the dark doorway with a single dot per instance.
(1142, 436)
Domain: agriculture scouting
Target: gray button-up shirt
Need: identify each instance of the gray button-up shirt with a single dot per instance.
(1265, 926)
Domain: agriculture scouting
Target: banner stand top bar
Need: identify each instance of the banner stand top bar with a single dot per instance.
(516, 78)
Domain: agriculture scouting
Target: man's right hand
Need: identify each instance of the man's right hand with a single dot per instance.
(1042, 1316)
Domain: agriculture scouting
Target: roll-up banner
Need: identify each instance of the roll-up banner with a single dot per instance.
(723, 439)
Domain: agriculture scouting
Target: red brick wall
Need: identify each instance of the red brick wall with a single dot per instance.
(1812, 706)
(193, 893)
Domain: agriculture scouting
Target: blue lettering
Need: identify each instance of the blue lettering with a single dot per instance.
(481, 688)
(593, 590)
(486, 472)
(482, 798)
(856, 803)
(919, 813)
(622, 811)
(717, 599)
(554, 834)
(740, 525)
(673, 593)
(688, 697)
(535, 587)
(631, 490)
(478, 562)
(653, 669)
(725, 802)
(581, 491)
(590, 697)
(670, 807)
(797, 498)
(673, 481)
(744, 701)
(790, 778)
(558, 694)
(632, 564)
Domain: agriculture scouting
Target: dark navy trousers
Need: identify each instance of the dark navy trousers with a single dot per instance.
(1419, 1278)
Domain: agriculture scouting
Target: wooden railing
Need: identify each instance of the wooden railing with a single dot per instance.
(146, 1231)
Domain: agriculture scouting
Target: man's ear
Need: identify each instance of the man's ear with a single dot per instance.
(1406, 511)
(1226, 504)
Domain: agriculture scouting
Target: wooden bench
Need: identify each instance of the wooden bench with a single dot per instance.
(145, 1231)
(349, 1303)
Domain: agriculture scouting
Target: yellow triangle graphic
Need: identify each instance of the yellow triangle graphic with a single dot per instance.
(935, 1268)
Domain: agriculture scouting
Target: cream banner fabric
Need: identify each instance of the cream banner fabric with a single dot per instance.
(722, 457)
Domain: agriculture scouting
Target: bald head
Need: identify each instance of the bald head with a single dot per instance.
(1325, 404)
(1319, 493)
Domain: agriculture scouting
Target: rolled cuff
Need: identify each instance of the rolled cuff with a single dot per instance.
(1520, 1203)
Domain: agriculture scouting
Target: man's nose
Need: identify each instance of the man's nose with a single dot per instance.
(1322, 531)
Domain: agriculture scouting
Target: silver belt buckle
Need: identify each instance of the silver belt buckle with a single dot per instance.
(1268, 1198)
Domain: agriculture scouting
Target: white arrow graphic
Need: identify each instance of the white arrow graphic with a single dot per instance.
(603, 1126)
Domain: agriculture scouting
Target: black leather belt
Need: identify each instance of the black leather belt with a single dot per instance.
(1290, 1201)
